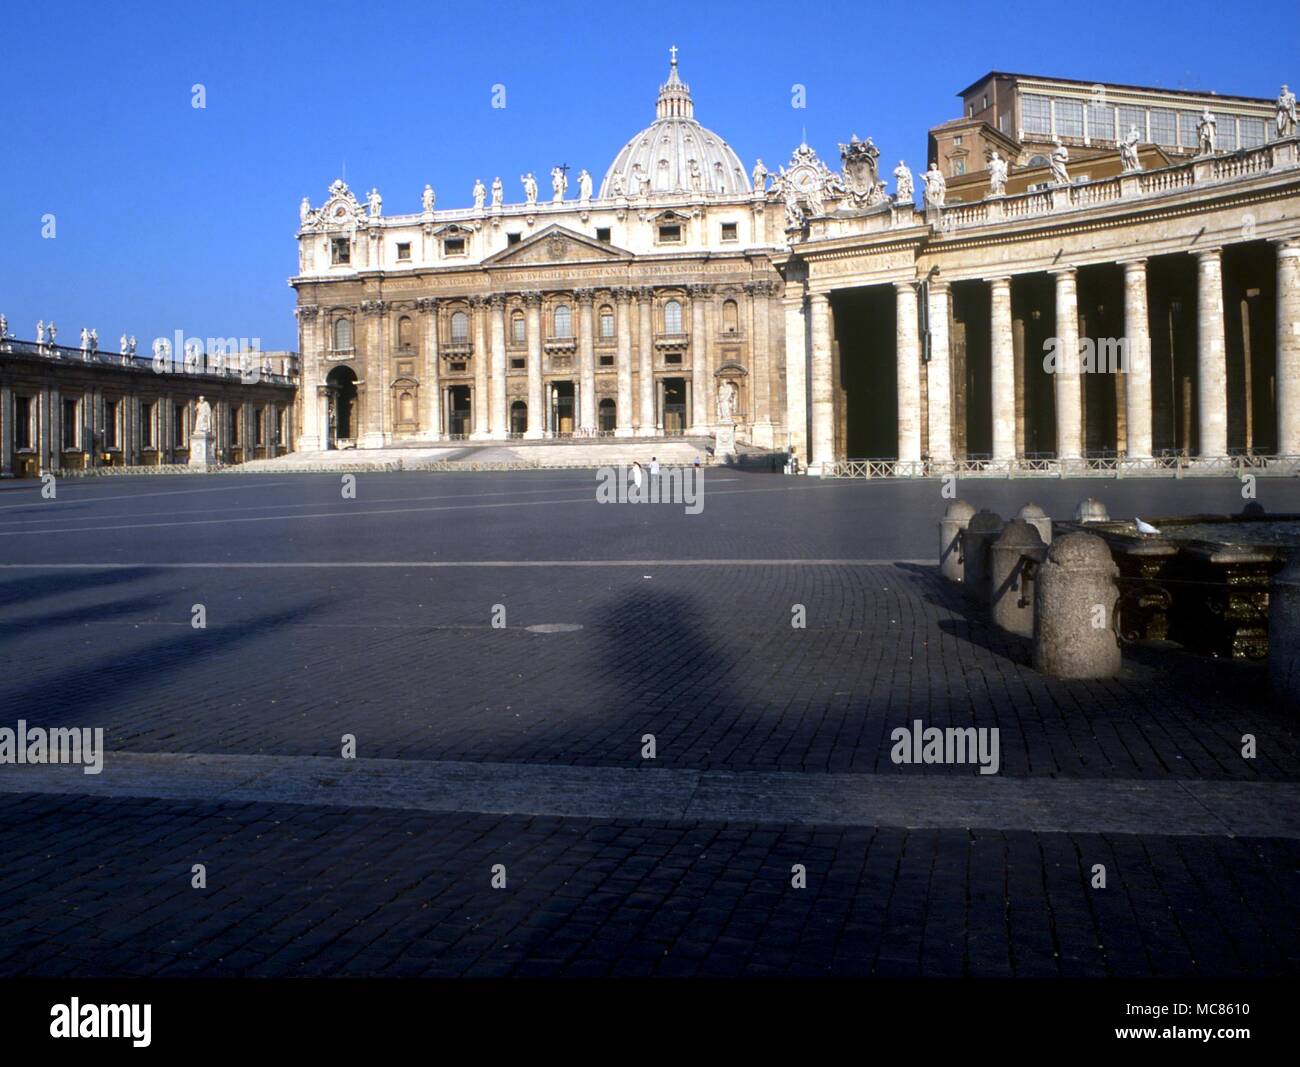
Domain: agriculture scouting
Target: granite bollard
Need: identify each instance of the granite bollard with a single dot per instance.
(984, 526)
(1038, 519)
(950, 531)
(1013, 560)
(1074, 610)
(1091, 510)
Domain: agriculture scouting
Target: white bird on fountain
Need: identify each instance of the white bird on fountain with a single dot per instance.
(1144, 527)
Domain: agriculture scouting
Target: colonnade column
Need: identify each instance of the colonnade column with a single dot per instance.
(823, 404)
(313, 430)
(907, 351)
(431, 384)
(1065, 375)
(499, 428)
(6, 429)
(760, 363)
(939, 373)
(376, 424)
(586, 362)
(646, 423)
(536, 410)
(1137, 334)
(482, 360)
(1288, 346)
(1211, 355)
(796, 373)
(1002, 369)
(700, 416)
(623, 404)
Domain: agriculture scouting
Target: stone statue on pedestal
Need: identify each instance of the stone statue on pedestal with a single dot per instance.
(726, 402)
(584, 185)
(936, 187)
(427, 199)
(376, 203)
(903, 183)
(40, 332)
(997, 176)
(1128, 150)
(480, 194)
(1060, 156)
(1286, 113)
(202, 416)
(498, 192)
(760, 178)
(530, 187)
(559, 184)
(1207, 133)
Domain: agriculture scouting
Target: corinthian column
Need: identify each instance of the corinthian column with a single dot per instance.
(314, 428)
(1137, 334)
(499, 428)
(1288, 346)
(1211, 356)
(536, 405)
(823, 405)
(701, 417)
(482, 357)
(939, 374)
(645, 425)
(907, 353)
(623, 412)
(1002, 374)
(586, 362)
(760, 362)
(796, 372)
(431, 386)
(1065, 377)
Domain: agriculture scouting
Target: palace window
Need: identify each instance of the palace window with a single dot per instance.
(342, 335)
(730, 232)
(1252, 132)
(459, 327)
(1187, 123)
(112, 417)
(957, 140)
(563, 320)
(1036, 113)
(1133, 116)
(1227, 131)
(1101, 122)
(672, 317)
(670, 233)
(404, 250)
(518, 328)
(22, 422)
(602, 234)
(71, 408)
(1069, 118)
(729, 316)
(607, 323)
(1164, 127)
(453, 246)
(958, 167)
(340, 251)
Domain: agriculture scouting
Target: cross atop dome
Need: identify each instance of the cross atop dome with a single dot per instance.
(674, 95)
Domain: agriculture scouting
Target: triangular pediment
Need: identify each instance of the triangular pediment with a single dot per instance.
(557, 244)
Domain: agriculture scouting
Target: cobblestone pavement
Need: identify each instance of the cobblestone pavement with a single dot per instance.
(701, 654)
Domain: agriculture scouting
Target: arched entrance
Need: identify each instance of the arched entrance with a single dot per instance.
(342, 400)
(518, 418)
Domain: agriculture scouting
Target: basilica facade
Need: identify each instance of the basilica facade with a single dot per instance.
(818, 310)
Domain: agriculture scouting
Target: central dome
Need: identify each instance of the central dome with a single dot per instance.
(675, 152)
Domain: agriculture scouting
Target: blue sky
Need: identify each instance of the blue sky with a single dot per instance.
(169, 217)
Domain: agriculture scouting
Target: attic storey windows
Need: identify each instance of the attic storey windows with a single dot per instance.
(453, 246)
(403, 251)
(340, 251)
(670, 233)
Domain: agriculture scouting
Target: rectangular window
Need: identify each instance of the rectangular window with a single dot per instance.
(516, 363)
(1069, 118)
(1227, 125)
(518, 330)
(1164, 127)
(602, 234)
(670, 234)
(404, 250)
(730, 232)
(513, 238)
(112, 416)
(957, 140)
(71, 429)
(1252, 132)
(1035, 113)
(1133, 116)
(1101, 122)
(453, 246)
(148, 420)
(606, 361)
(958, 167)
(340, 251)
(1187, 123)
(458, 364)
(22, 422)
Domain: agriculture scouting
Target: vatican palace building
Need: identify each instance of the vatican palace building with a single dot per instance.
(1097, 274)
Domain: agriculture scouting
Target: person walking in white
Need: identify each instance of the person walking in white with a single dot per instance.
(654, 466)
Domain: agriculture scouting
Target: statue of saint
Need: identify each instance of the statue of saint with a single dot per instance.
(85, 340)
(530, 187)
(130, 345)
(1207, 133)
(997, 176)
(559, 184)
(726, 401)
(94, 339)
(1060, 156)
(760, 178)
(202, 416)
(376, 203)
(54, 331)
(616, 183)
(480, 194)
(584, 185)
(903, 183)
(121, 346)
(427, 199)
(794, 213)
(304, 209)
(936, 187)
(1286, 113)
(1128, 150)
(4, 327)
(693, 166)
(40, 332)
(498, 191)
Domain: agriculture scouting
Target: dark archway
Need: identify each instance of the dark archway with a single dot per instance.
(866, 378)
(342, 383)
